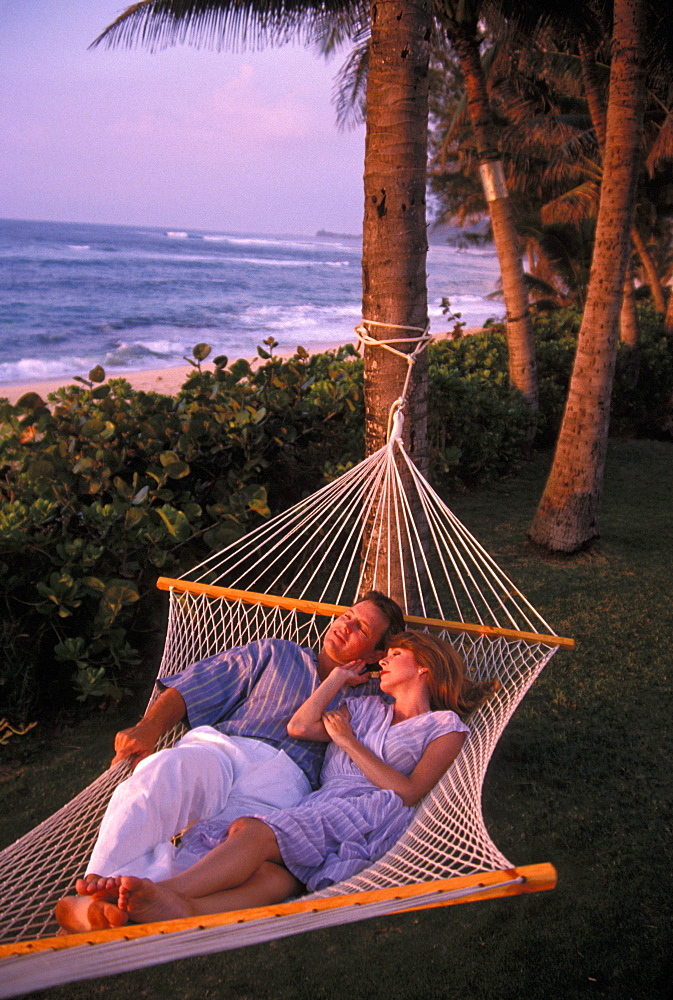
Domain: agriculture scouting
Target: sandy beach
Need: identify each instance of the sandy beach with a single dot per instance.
(165, 380)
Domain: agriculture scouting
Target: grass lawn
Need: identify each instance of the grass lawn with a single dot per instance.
(581, 778)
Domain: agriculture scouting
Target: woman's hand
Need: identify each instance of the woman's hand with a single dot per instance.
(352, 674)
(338, 726)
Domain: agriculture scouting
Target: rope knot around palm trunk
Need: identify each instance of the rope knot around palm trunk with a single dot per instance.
(421, 340)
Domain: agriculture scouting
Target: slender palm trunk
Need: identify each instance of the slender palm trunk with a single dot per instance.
(668, 320)
(394, 289)
(520, 342)
(629, 329)
(596, 102)
(650, 268)
(567, 518)
(628, 317)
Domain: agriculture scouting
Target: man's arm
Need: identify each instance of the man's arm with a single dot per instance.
(140, 740)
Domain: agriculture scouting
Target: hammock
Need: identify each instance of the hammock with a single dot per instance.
(288, 579)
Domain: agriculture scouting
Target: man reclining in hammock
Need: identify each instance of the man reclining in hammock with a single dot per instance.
(385, 755)
(237, 757)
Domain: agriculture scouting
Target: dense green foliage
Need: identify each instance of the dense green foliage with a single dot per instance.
(104, 489)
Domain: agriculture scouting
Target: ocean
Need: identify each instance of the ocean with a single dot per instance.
(132, 298)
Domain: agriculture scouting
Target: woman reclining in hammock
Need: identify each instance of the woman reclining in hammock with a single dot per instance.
(383, 758)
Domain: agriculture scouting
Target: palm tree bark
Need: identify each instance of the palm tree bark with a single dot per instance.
(596, 104)
(394, 250)
(567, 518)
(650, 268)
(520, 342)
(668, 319)
(628, 318)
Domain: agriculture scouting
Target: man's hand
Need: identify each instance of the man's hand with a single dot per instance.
(137, 742)
(338, 725)
(140, 740)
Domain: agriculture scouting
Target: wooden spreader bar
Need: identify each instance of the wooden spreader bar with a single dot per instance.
(328, 610)
(419, 896)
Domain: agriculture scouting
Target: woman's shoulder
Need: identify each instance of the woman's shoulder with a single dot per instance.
(442, 721)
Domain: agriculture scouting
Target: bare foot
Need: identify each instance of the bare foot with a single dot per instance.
(91, 885)
(88, 913)
(145, 901)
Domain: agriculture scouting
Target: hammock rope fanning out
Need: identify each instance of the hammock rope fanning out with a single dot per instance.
(287, 579)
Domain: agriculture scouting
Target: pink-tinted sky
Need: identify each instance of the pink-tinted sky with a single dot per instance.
(180, 138)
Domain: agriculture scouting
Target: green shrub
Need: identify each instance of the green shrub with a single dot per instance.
(642, 402)
(478, 427)
(106, 489)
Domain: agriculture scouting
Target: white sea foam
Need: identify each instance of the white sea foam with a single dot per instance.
(37, 369)
(176, 234)
(276, 262)
(260, 241)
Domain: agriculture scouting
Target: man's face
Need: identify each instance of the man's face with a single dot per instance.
(357, 634)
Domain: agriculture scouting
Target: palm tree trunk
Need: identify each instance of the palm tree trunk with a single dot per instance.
(650, 268)
(567, 518)
(628, 317)
(520, 342)
(629, 330)
(668, 319)
(394, 252)
(395, 245)
(596, 104)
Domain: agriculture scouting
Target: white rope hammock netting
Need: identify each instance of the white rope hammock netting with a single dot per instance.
(378, 521)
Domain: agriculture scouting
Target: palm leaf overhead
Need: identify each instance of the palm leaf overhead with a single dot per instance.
(229, 24)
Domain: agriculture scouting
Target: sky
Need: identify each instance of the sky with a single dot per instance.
(183, 138)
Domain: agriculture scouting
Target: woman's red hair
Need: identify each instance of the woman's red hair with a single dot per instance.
(447, 680)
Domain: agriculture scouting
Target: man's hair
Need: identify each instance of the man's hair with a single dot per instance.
(391, 611)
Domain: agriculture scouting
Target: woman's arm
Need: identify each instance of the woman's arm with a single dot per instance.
(306, 723)
(439, 754)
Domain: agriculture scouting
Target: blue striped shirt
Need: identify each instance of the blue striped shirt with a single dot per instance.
(253, 691)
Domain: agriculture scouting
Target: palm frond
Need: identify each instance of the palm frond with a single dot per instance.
(350, 86)
(332, 32)
(661, 151)
(220, 24)
(573, 206)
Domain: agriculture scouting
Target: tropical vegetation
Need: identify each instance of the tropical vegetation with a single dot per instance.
(536, 43)
(104, 488)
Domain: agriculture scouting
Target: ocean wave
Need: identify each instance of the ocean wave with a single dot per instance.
(329, 321)
(268, 241)
(126, 355)
(39, 370)
(176, 234)
(275, 262)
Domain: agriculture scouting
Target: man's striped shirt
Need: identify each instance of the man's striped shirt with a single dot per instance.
(253, 691)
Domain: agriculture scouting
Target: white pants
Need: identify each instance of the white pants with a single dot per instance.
(205, 774)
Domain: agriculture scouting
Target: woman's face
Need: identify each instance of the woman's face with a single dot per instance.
(398, 667)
